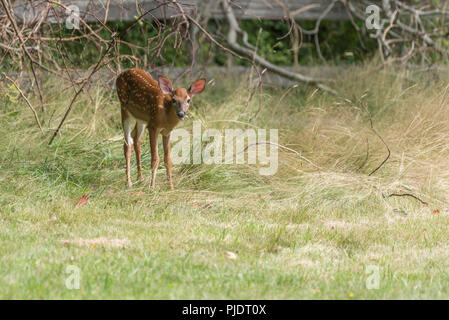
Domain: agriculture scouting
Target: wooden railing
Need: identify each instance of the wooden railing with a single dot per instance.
(127, 10)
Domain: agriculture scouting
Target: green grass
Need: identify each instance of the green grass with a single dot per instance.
(302, 233)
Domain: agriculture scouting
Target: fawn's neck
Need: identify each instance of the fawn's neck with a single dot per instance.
(170, 111)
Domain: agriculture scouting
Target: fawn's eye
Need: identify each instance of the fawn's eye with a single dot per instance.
(188, 100)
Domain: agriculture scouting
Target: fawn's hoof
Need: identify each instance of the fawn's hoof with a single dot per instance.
(129, 184)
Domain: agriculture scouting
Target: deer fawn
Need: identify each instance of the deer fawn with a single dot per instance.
(154, 105)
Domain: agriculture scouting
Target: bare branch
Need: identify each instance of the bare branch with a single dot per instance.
(232, 41)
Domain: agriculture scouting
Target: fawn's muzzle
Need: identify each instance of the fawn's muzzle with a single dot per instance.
(181, 115)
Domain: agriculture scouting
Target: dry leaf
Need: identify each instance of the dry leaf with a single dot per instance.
(436, 211)
(207, 206)
(230, 255)
(83, 200)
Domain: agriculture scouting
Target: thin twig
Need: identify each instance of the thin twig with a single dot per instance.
(27, 102)
(381, 139)
(406, 195)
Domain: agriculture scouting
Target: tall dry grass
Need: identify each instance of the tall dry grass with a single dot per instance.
(408, 109)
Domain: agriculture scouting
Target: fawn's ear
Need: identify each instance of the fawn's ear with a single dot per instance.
(198, 86)
(165, 85)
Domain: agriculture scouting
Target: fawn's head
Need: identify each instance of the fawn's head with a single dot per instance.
(181, 97)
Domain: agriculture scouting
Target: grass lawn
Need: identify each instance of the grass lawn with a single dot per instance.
(227, 232)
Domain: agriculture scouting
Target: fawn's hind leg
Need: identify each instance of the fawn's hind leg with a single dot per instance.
(127, 146)
(153, 133)
(137, 135)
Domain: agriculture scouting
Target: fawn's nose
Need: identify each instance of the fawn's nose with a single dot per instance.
(181, 114)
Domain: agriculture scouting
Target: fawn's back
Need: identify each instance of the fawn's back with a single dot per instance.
(139, 94)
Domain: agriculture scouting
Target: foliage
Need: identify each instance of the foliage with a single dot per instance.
(336, 39)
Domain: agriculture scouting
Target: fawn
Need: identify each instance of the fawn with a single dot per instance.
(153, 105)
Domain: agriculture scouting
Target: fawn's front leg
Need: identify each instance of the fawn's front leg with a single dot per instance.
(167, 158)
(137, 136)
(127, 145)
(154, 155)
